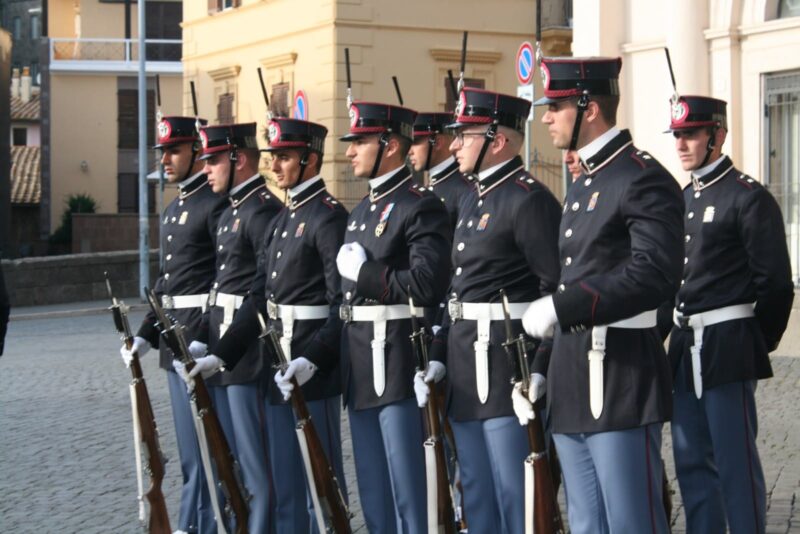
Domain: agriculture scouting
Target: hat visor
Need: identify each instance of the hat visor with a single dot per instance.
(456, 125)
(352, 136)
(546, 100)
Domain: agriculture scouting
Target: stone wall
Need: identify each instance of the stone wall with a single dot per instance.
(104, 232)
(74, 277)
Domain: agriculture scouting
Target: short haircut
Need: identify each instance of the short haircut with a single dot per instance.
(252, 154)
(608, 105)
(515, 139)
(405, 144)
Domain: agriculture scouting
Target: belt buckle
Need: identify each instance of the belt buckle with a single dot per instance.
(212, 298)
(272, 310)
(346, 313)
(167, 302)
(455, 309)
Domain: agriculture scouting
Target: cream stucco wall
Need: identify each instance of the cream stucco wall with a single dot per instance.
(720, 48)
(415, 40)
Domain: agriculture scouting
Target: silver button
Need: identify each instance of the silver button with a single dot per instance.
(680, 305)
(372, 207)
(235, 212)
(222, 267)
(274, 274)
(169, 238)
(688, 238)
(216, 285)
(587, 182)
(561, 288)
(166, 276)
(469, 224)
(460, 246)
(685, 261)
(683, 282)
(568, 233)
(180, 203)
(362, 227)
(220, 247)
(291, 216)
(690, 215)
(279, 254)
(575, 206)
(697, 194)
(225, 229)
(458, 271)
(568, 260)
(169, 257)
(173, 219)
(348, 295)
(480, 203)
(283, 234)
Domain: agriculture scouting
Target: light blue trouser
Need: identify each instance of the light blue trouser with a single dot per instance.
(390, 467)
(294, 506)
(719, 471)
(244, 425)
(491, 454)
(613, 480)
(196, 514)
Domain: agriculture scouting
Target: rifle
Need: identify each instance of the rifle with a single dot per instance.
(441, 515)
(210, 435)
(542, 514)
(145, 430)
(330, 508)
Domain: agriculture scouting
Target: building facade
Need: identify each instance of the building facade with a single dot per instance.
(746, 52)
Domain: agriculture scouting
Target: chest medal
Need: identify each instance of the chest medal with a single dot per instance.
(384, 220)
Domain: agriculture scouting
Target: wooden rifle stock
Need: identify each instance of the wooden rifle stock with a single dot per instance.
(158, 522)
(446, 519)
(226, 467)
(546, 514)
(334, 509)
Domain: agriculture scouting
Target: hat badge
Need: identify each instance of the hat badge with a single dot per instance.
(273, 132)
(545, 75)
(462, 103)
(164, 129)
(353, 116)
(680, 110)
(204, 139)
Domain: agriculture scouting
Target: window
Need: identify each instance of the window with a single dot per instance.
(163, 20)
(450, 104)
(20, 136)
(788, 8)
(128, 118)
(36, 27)
(35, 72)
(221, 5)
(16, 28)
(225, 109)
(279, 100)
(128, 193)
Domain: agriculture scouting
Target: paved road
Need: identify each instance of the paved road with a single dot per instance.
(66, 455)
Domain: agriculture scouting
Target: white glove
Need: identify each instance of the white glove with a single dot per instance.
(434, 373)
(197, 349)
(301, 369)
(435, 329)
(350, 259)
(523, 407)
(140, 346)
(208, 365)
(540, 317)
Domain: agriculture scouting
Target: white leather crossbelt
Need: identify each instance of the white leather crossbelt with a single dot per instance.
(484, 313)
(697, 322)
(180, 302)
(288, 314)
(377, 315)
(229, 304)
(597, 354)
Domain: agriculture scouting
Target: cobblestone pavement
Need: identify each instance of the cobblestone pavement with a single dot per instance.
(66, 454)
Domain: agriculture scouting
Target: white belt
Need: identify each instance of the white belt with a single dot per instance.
(377, 315)
(484, 313)
(697, 322)
(597, 354)
(229, 304)
(180, 302)
(288, 314)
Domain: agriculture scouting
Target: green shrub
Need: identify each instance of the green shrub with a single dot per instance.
(77, 203)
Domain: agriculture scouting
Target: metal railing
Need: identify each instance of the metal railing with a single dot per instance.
(124, 51)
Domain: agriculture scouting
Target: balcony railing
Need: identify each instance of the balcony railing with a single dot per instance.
(114, 55)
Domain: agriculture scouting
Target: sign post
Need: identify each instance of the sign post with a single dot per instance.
(524, 67)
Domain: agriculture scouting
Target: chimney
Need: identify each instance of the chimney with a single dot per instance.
(25, 85)
(15, 83)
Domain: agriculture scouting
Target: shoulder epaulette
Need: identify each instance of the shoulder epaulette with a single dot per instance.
(746, 181)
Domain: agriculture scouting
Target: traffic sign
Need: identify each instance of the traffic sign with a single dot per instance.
(524, 65)
(300, 106)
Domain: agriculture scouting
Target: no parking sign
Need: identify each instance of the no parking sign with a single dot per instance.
(300, 106)
(525, 63)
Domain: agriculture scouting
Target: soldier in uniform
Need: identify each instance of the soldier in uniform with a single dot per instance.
(621, 251)
(231, 156)
(506, 238)
(188, 237)
(396, 246)
(298, 288)
(732, 308)
(430, 152)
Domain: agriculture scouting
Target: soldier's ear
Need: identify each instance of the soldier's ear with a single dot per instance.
(592, 111)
